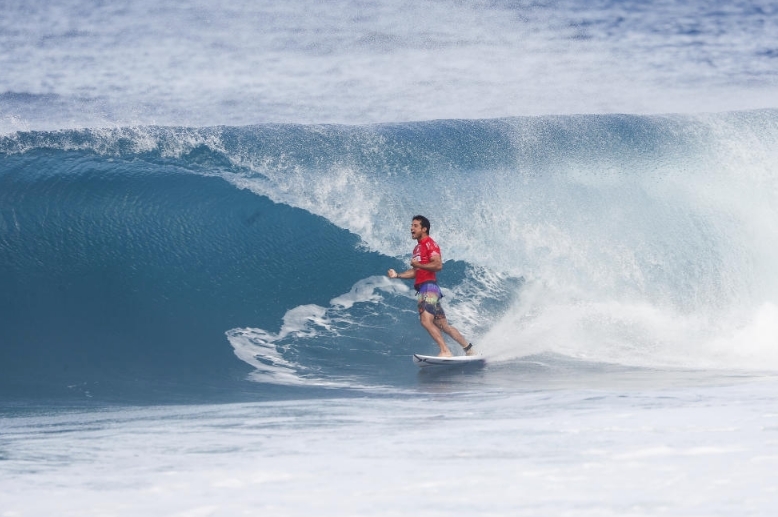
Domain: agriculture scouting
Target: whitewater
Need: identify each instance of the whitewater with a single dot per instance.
(199, 202)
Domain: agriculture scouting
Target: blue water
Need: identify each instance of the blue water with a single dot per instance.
(199, 202)
(153, 258)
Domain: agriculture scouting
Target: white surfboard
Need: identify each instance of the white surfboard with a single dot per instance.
(424, 361)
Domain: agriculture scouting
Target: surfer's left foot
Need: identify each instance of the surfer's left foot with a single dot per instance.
(469, 349)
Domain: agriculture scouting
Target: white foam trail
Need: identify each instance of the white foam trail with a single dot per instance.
(265, 350)
(635, 334)
(753, 344)
(368, 290)
(256, 348)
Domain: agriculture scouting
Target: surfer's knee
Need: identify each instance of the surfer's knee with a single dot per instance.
(426, 319)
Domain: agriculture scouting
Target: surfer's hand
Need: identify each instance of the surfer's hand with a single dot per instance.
(392, 273)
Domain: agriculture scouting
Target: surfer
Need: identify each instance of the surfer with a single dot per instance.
(426, 262)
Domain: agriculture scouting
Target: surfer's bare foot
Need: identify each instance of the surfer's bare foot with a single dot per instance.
(469, 350)
(447, 353)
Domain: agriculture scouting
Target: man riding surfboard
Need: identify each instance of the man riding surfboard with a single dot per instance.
(426, 262)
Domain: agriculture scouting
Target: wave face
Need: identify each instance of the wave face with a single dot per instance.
(145, 261)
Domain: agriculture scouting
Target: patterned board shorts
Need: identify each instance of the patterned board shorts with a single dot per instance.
(428, 297)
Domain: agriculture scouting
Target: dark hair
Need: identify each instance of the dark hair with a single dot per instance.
(425, 223)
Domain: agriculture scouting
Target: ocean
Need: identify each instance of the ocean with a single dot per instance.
(199, 202)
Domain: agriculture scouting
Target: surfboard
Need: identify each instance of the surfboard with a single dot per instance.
(424, 361)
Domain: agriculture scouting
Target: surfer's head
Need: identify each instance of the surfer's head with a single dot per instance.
(420, 226)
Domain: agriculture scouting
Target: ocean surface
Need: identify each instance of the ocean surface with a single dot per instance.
(199, 201)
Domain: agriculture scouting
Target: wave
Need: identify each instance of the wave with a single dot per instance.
(145, 252)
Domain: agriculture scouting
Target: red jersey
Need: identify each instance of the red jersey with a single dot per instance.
(423, 252)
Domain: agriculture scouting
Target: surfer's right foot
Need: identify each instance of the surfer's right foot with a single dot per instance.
(469, 349)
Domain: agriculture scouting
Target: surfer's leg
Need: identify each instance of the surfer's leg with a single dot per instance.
(442, 324)
(428, 322)
(428, 298)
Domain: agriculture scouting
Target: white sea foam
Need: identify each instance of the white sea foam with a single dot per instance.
(368, 290)
(608, 452)
(302, 326)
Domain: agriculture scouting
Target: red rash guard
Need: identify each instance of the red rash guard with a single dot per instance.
(423, 251)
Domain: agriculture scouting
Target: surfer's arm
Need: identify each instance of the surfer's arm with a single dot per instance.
(405, 275)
